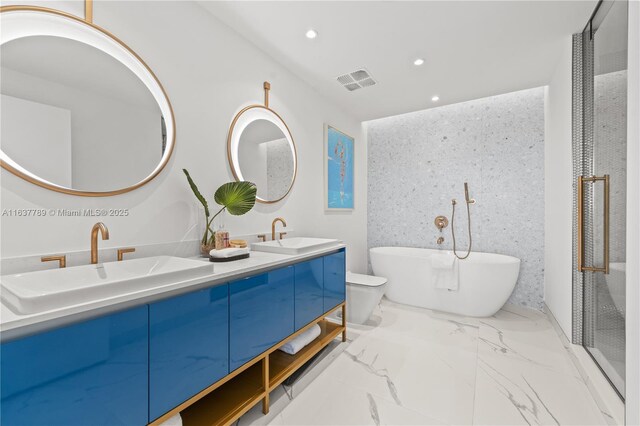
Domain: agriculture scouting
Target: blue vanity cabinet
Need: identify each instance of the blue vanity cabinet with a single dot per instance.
(90, 373)
(261, 313)
(334, 279)
(188, 346)
(309, 288)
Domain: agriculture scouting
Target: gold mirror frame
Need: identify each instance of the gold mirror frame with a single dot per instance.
(88, 21)
(237, 173)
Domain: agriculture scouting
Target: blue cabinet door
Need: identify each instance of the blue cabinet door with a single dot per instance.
(309, 284)
(91, 373)
(334, 279)
(261, 314)
(188, 346)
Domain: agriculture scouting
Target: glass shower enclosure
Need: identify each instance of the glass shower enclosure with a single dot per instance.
(600, 148)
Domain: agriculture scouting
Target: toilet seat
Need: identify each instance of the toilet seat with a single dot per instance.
(365, 280)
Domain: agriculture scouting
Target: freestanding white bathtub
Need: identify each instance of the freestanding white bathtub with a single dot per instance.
(486, 280)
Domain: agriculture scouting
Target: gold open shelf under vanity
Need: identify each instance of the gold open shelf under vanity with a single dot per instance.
(227, 400)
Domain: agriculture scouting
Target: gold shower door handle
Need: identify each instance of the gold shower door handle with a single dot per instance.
(581, 181)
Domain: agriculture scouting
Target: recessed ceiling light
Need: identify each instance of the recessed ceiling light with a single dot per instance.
(311, 34)
(418, 62)
(435, 98)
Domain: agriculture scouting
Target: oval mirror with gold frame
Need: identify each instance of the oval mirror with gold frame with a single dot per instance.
(261, 149)
(83, 114)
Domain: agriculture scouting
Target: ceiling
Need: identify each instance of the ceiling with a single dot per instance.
(471, 49)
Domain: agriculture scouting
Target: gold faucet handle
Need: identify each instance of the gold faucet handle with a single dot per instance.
(441, 222)
(262, 237)
(122, 251)
(282, 234)
(61, 259)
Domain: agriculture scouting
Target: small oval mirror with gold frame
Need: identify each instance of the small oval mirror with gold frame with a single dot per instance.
(261, 150)
(82, 113)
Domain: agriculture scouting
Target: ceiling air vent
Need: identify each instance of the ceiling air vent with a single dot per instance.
(356, 80)
(366, 83)
(345, 79)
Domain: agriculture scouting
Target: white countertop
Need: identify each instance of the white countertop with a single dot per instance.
(13, 325)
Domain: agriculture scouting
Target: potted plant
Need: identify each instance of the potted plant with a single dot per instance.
(237, 198)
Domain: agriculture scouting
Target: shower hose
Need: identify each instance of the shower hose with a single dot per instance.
(453, 232)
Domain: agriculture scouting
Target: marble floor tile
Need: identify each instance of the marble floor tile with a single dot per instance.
(415, 366)
(530, 340)
(408, 324)
(515, 392)
(433, 379)
(331, 402)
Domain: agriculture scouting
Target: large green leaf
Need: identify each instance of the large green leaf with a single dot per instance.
(197, 193)
(237, 197)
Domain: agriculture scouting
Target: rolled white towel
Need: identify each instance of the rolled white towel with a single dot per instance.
(228, 252)
(173, 421)
(293, 346)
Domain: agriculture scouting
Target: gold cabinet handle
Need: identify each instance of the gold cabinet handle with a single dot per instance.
(61, 259)
(581, 181)
(122, 251)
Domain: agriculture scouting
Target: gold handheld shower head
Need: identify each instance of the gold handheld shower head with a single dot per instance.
(466, 194)
(453, 215)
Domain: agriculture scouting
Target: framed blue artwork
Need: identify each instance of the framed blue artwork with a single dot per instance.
(338, 169)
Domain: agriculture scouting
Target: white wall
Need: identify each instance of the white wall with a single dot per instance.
(558, 192)
(210, 73)
(44, 149)
(633, 220)
(114, 142)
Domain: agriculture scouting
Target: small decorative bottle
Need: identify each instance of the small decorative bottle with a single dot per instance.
(220, 238)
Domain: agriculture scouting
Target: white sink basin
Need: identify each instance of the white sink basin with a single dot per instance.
(293, 246)
(40, 291)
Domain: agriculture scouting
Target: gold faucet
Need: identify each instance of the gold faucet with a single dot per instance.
(123, 251)
(94, 239)
(61, 259)
(273, 226)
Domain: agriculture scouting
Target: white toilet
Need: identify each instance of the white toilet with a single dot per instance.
(363, 295)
